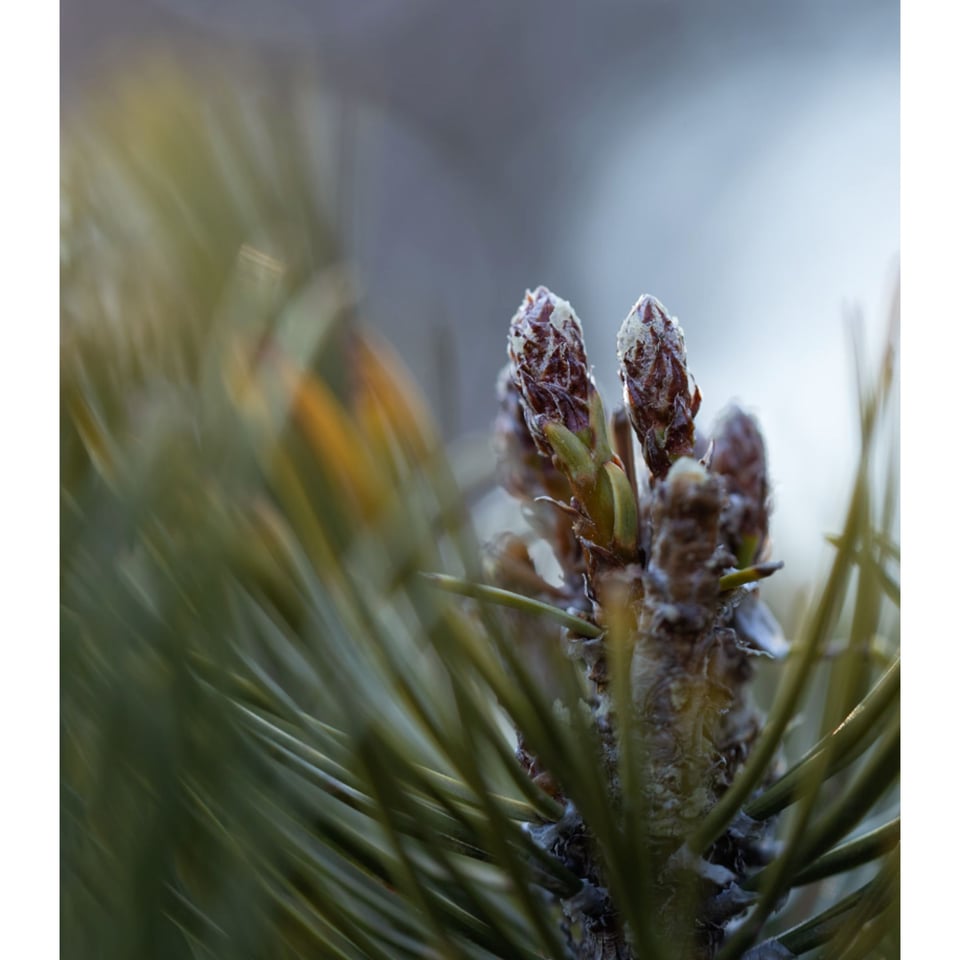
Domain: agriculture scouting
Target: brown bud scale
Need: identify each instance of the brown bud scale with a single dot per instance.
(521, 468)
(740, 458)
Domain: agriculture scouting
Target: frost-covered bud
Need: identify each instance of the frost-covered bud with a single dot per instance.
(550, 369)
(739, 456)
(659, 393)
(521, 469)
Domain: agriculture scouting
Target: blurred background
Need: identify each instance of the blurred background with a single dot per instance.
(738, 160)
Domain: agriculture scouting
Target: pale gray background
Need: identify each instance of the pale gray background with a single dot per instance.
(738, 159)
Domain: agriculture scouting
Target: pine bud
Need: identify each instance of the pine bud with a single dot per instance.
(522, 471)
(659, 393)
(550, 368)
(740, 458)
(682, 574)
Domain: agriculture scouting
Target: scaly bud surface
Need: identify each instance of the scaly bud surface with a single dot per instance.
(740, 458)
(658, 390)
(550, 367)
(522, 470)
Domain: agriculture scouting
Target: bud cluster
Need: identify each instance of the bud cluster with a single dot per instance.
(663, 564)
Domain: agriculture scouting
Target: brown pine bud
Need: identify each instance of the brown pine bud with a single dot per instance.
(550, 369)
(740, 458)
(522, 470)
(659, 393)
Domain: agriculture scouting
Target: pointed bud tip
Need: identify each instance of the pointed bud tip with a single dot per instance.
(646, 326)
(687, 470)
(541, 314)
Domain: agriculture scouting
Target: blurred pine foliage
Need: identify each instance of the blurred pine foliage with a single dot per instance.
(278, 739)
